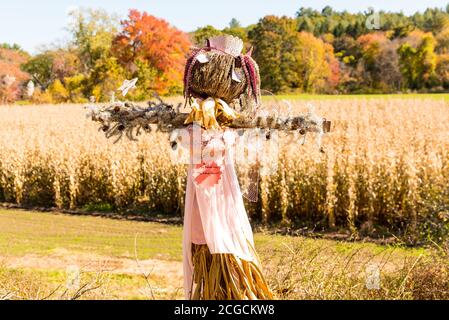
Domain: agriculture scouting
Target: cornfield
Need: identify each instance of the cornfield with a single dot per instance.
(385, 169)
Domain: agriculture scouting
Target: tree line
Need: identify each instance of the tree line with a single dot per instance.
(315, 52)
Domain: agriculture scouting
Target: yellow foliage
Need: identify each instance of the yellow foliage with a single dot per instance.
(75, 87)
(58, 92)
(41, 97)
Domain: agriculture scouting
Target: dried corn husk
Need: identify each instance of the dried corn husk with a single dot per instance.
(226, 277)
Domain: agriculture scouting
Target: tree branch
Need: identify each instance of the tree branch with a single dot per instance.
(126, 118)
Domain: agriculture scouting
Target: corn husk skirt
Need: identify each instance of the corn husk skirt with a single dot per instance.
(226, 277)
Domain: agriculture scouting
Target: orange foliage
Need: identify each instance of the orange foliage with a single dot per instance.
(368, 39)
(334, 65)
(10, 61)
(156, 43)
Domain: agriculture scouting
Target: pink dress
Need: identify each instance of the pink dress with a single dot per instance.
(214, 210)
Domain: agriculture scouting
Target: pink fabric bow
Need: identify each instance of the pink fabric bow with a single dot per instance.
(207, 175)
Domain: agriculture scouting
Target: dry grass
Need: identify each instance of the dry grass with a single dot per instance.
(385, 171)
(36, 250)
(315, 271)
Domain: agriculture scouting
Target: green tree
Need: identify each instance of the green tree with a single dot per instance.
(339, 30)
(202, 34)
(275, 41)
(327, 11)
(92, 31)
(48, 66)
(235, 29)
(418, 64)
(306, 25)
(40, 68)
(306, 12)
(234, 23)
(14, 47)
(99, 74)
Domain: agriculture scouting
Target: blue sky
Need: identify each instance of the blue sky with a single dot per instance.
(32, 23)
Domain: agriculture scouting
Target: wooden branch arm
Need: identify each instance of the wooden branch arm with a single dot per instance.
(119, 118)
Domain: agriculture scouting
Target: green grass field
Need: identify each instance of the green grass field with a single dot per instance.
(121, 259)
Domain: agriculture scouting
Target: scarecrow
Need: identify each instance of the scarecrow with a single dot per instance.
(222, 87)
(220, 261)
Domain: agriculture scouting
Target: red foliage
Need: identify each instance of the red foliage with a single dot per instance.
(10, 61)
(155, 42)
(334, 65)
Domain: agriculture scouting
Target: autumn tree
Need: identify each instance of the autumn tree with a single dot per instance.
(100, 73)
(348, 50)
(443, 42)
(49, 66)
(275, 41)
(40, 68)
(378, 66)
(200, 35)
(58, 92)
(291, 60)
(11, 76)
(313, 59)
(334, 79)
(92, 31)
(154, 50)
(13, 47)
(442, 71)
(418, 64)
(235, 29)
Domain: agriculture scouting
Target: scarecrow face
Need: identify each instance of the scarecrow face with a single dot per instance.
(221, 77)
(219, 70)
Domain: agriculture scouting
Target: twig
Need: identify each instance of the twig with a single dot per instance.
(126, 118)
(52, 293)
(84, 289)
(145, 276)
